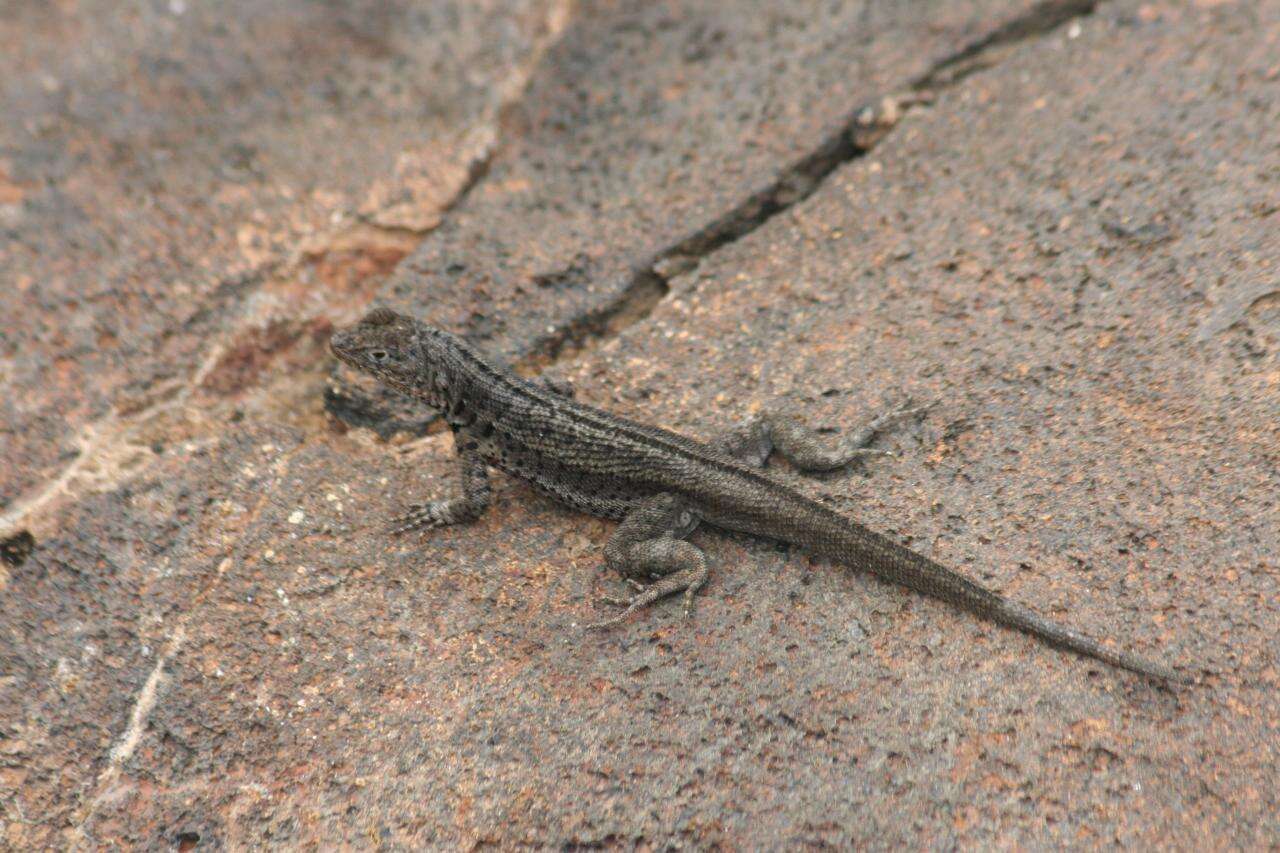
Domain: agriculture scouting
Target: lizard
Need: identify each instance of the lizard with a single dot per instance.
(660, 485)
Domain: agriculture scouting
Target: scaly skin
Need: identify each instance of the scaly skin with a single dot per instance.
(659, 484)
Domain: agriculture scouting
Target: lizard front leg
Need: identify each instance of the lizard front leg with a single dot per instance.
(473, 476)
(649, 544)
(803, 447)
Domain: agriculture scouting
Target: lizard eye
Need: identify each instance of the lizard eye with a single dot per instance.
(378, 355)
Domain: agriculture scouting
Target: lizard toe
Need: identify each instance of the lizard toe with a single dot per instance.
(421, 517)
(610, 622)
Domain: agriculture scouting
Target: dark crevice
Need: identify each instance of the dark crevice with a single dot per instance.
(644, 291)
(184, 841)
(1044, 18)
(15, 549)
(361, 403)
(649, 283)
(854, 138)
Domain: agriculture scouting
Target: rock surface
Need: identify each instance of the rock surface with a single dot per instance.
(1072, 250)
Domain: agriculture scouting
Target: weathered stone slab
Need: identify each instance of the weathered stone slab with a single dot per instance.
(219, 645)
(657, 130)
(176, 176)
(189, 193)
(1050, 254)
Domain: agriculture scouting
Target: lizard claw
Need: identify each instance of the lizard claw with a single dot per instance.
(905, 409)
(626, 602)
(628, 605)
(871, 451)
(428, 516)
(631, 607)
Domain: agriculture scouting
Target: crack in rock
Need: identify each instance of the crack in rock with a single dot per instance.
(866, 128)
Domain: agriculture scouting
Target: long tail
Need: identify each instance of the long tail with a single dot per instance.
(893, 562)
(1017, 616)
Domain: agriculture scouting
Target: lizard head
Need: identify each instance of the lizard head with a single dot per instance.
(397, 349)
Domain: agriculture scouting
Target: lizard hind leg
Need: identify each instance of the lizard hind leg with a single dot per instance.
(803, 447)
(649, 544)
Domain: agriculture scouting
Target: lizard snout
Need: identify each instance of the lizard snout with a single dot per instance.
(340, 343)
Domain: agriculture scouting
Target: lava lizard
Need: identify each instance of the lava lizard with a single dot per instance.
(660, 485)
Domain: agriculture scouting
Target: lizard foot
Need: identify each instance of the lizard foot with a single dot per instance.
(426, 516)
(688, 581)
(905, 409)
(865, 435)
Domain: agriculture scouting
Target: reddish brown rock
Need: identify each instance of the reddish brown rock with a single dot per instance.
(214, 642)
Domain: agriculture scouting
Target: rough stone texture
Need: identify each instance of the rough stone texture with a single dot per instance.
(175, 175)
(1081, 269)
(654, 129)
(190, 195)
(1073, 252)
